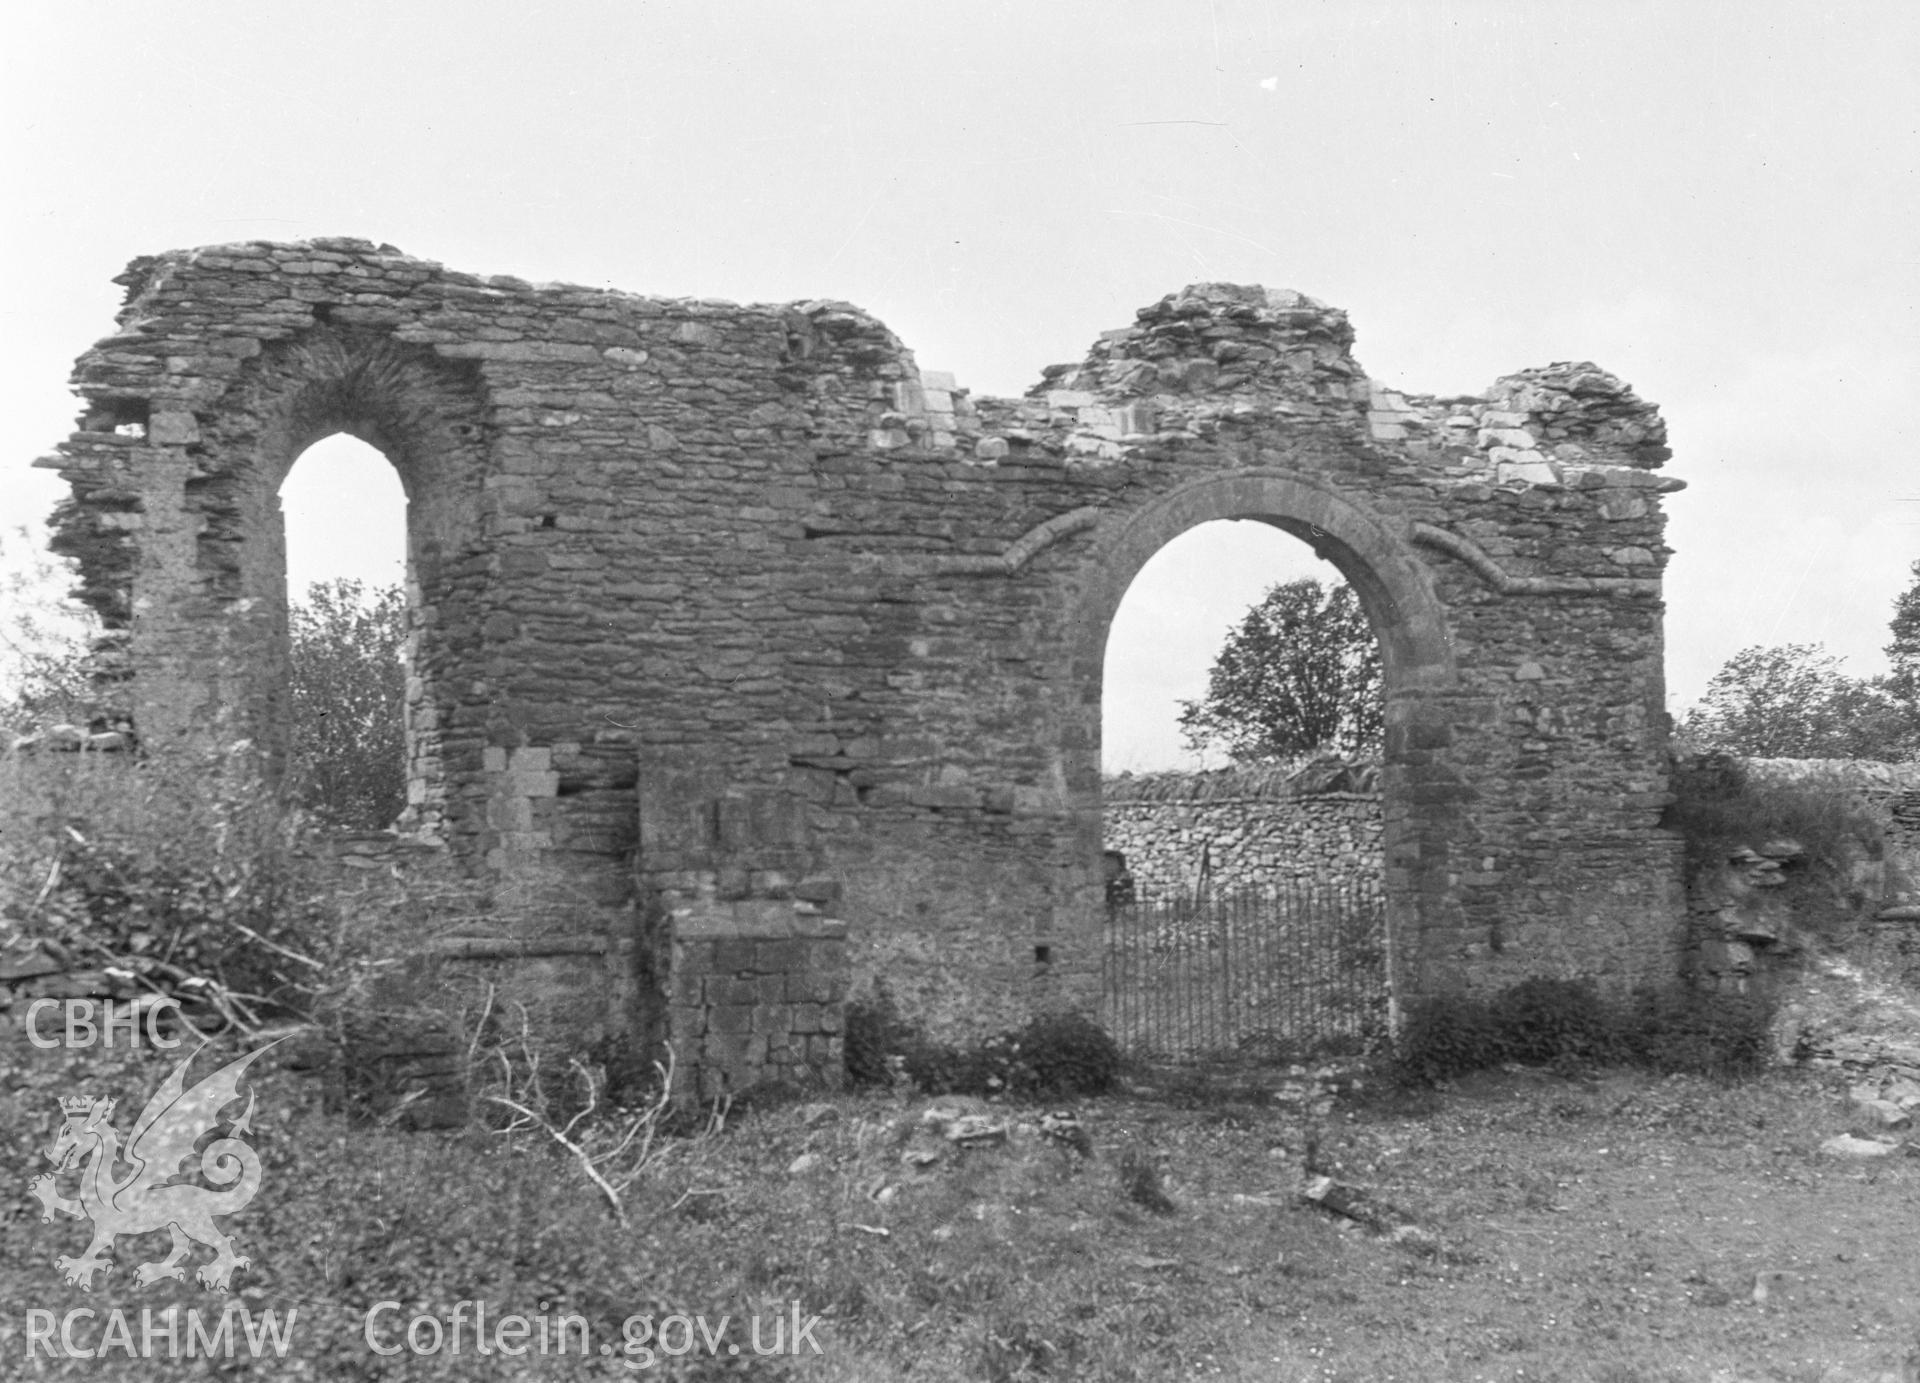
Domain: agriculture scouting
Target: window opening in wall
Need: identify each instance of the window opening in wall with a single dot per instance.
(347, 634)
(1242, 710)
(121, 417)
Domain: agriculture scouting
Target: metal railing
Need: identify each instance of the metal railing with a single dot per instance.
(1285, 973)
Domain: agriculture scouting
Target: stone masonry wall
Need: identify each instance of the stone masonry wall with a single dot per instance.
(1241, 828)
(723, 610)
(760, 1007)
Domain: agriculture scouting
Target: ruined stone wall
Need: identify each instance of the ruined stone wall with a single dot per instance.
(1241, 829)
(729, 619)
(1759, 906)
(1890, 794)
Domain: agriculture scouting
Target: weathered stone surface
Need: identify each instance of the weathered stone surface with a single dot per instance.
(1886, 1114)
(775, 605)
(1244, 829)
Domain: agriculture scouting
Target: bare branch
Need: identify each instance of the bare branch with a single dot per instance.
(579, 1153)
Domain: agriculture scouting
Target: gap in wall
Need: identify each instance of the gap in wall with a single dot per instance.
(345, 513)
(346, 516)
(1170, 627)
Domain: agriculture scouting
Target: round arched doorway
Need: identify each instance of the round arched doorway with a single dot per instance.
(1417, 662)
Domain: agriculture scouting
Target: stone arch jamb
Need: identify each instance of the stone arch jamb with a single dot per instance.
(427, 416)
(1417, 655)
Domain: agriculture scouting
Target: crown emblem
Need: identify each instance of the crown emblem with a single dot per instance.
(76, 1104)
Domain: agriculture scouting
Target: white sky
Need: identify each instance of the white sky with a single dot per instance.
(1716, 201)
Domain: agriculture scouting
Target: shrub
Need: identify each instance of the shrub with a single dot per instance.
(183, 871)
(1142, 1182)
(878, 1042)
(44, 638)
(1552, 1022)
(1720, 806)
(1686, 1030)
(872, 1032)
(1446, 1037)
(1542, 1021)
(1053, 1056)
(991, 1067)
(346, 686)
(194, 876)
(1067, 1054)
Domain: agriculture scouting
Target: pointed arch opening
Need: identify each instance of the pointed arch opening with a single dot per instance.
(349, 425)
(349, 618)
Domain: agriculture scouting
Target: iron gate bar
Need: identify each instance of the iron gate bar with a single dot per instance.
(1291, 972)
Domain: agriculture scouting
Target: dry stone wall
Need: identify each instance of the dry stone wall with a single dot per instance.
(725, 614)
(1236, 829)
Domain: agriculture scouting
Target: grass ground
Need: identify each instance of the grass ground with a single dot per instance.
(1615, 1227)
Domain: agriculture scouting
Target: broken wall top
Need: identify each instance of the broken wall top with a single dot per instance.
(1200, 360)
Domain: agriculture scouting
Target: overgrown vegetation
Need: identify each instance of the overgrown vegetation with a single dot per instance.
(43, 640)
(1721, 807)
(1592, 1231)
(347, 682)
(1179, 1247)
(195, 878)
(1903, 652)
(184, 874)
(1053, 1056)
(1568, 1024)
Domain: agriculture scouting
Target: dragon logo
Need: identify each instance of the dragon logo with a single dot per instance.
(143, 1200)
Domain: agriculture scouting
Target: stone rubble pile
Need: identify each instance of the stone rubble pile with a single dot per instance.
(1890, 1100)
(69, 739)
(1866, 1059)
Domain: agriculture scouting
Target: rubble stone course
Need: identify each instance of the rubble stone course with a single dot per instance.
(731, 622)
(1243, 828)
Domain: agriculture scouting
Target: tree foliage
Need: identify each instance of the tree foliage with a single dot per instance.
(346, 690)
(1300, 675)
(1904, 652)
(43, 639)
(1794, 702)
